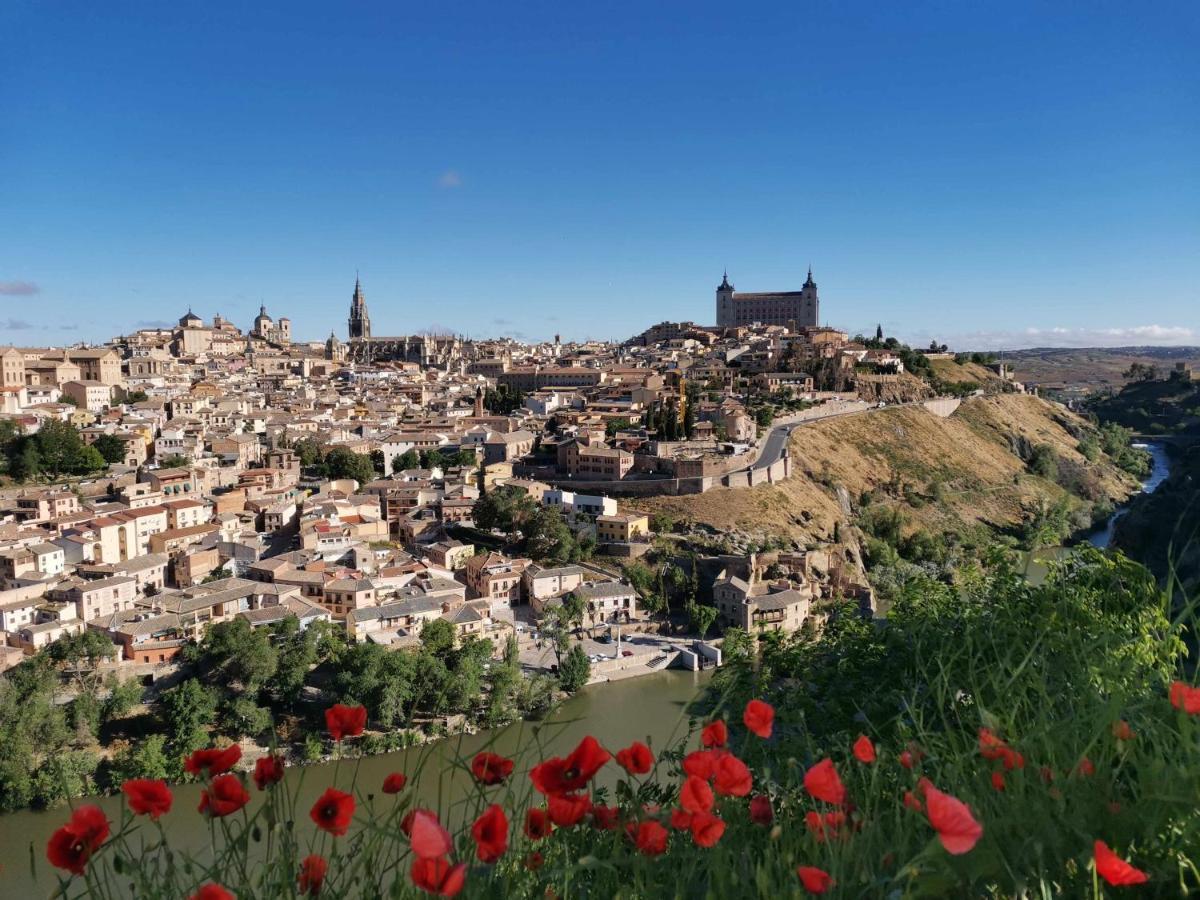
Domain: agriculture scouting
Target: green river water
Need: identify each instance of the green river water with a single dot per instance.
(651, 707)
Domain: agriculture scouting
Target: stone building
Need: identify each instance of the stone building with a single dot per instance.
(793, 309)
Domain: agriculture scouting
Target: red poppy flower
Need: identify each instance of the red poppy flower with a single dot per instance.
(224, 796)
(534, 861)
(491, 768)
(312, 874)
(147, 797)
(990, 746)
(706, 829)
(212, 891)
(537, 823)
(1012, 759)
(394, 783)
(695, 795)
(1115, 870)
(815, 824)
(567, 810)
(268, 770)
(1121, 731)
(825, 826)
(212, 762)
(864, 750)
(732, 778)
(815, 881)
(564, 775)
(71, 846)
(912, 802)
(822, 782)
(345, 721)
(490, 832)
(332, 811)
(759, 717)
(604, 818)
(681, 819)
(436, 876)
(998, 781)
(406, 823)
(715, 734)
(1086, 768)
(427, 836)
(761, 812)
(957, 829)
(702, 763)
(636, 759)
(650, 838)
(906, 759)
(1185, 697)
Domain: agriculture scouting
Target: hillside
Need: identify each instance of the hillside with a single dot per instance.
(971, 463)
(952, 372)
(1086, 370)
(1157, 406)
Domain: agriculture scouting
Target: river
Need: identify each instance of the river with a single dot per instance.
(650, 708)
(1038, 561)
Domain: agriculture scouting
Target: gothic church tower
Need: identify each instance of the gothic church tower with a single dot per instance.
(360, 322)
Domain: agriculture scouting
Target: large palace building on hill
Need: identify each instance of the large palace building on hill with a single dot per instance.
(793, 308)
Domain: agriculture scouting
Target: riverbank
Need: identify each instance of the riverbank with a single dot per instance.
(1037, 563)
(652, 709)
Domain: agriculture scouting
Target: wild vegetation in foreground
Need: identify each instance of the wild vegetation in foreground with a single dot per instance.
(1000, 739)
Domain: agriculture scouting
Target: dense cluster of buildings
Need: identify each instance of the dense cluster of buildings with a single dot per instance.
(212, 514)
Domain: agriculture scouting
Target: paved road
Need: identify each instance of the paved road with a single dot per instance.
(777, 437)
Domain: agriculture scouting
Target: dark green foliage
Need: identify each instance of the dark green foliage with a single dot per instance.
(1044, 462)
(111, 447)
(575, 670)
(55, 450)
(342, 463)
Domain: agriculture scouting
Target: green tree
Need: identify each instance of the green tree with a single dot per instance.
(309, 452)
(188, 710)
(144, 759)
(575, 670)
(547, 537)
(409, 459)
(111, 447)
(507, 509)
(237, 657)
(25, 463)
(701, 618)
(1043, 461)
(437, 637)
(342, 463)
(297, 653)
(242, 717)
(573, 609)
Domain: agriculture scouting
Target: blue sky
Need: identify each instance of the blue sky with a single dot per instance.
(999, 174)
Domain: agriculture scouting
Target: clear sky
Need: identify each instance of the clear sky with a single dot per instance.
(1000, 174)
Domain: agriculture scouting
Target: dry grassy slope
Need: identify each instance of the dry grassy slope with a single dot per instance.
(970, 453)
(949, 370)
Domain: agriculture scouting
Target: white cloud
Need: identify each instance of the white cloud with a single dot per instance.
(450, 179)
(1132, 335)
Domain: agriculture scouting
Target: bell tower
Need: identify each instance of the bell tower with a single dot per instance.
(725, 314)
(360, 322)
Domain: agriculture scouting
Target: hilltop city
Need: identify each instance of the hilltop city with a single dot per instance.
(180, 477)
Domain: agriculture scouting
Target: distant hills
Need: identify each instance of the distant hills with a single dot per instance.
(1090, 369)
